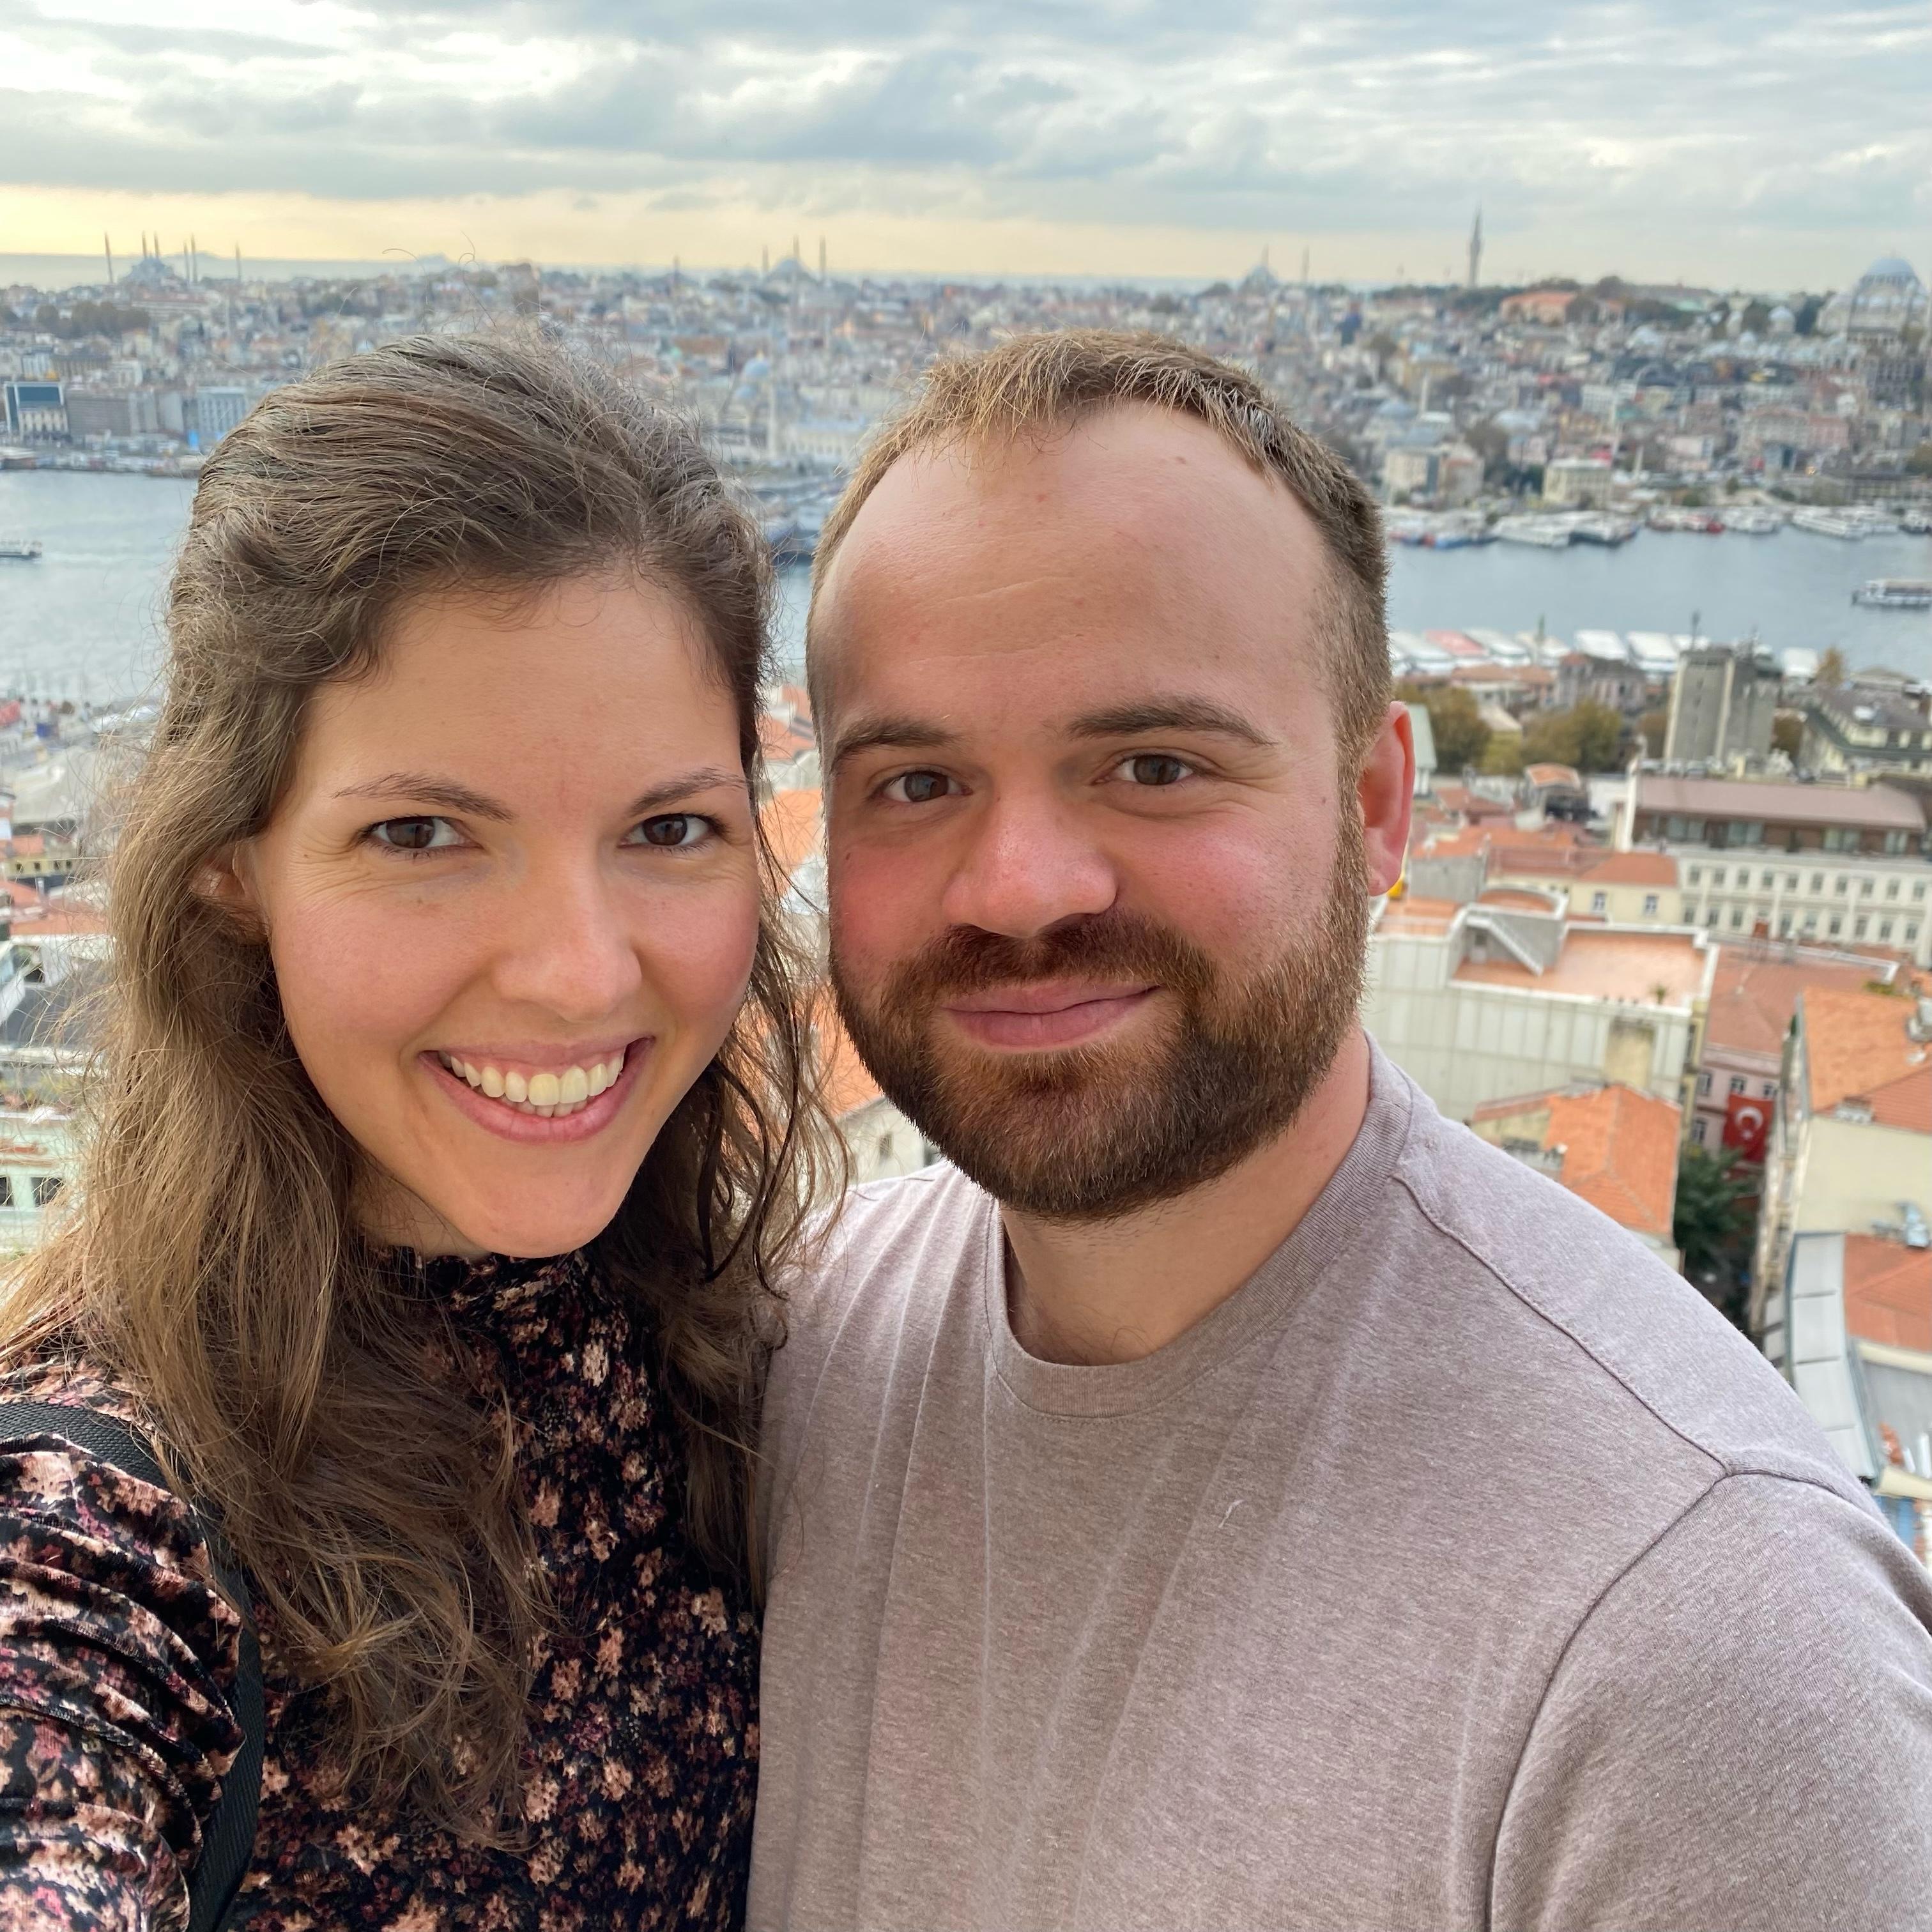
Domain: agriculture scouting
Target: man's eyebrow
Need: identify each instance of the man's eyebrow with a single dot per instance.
(1168, 714)
(899, 734)
(424, 788)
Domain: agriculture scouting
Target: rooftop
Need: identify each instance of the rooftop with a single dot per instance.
(1857, 1048)
(1753, 996)
(1411, 914)
(1601, 965)
(1876, 808)
(1888, 1292)
(1619, 1149)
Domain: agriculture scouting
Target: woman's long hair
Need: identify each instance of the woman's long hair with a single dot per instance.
(210, 1262)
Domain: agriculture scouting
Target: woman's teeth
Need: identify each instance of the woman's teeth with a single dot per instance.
(550, 1095)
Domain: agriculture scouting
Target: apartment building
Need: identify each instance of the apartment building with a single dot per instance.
(1505, 995)
(1817, 863)
(1863, 730)
(1850, 1147)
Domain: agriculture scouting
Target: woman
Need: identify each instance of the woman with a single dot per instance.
(453, 1121)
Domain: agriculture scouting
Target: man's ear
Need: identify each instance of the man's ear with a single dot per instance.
(228, 883)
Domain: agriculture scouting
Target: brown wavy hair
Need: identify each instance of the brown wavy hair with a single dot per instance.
(211, 1263)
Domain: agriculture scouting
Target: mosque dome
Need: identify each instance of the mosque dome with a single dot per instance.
(1887, 298)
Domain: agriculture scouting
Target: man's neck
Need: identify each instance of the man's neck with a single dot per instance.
(1115, 1290)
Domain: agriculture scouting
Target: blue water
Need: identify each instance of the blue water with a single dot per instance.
(83, 621)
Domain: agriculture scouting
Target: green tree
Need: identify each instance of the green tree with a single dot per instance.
(1710, 1217)
(1589, 737)
(1461, 736)
(1919, 463)
(1650, 727)
(1831, 671)
(1787, 733)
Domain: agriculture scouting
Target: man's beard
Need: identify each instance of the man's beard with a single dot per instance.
(1087, 1133)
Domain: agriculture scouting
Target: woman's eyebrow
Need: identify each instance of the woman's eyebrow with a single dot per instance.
(420, 787)
(706, 778)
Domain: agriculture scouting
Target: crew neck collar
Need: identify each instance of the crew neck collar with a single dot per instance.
(1340, 1215)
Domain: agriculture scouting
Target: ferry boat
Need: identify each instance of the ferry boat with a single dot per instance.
(1607, 531)
(1848, 524)
(1545, 533)
(1895, 593)
(19, 550)
(1753, 522)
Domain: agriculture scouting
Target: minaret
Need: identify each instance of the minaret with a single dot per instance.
(108, 247)
(1476, 251)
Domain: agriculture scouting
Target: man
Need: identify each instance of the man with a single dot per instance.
(1230, 1495)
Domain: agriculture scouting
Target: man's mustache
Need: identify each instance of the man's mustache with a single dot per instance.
(1102, 946)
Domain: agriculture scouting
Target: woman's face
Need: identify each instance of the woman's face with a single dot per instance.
(511, 896)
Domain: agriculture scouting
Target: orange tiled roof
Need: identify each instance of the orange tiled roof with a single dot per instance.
(791, 828)
(1857, 1047)
(1410, 913)
(1888, 1292)
(1620, 965)
(1619, 1154)
(1632, 869)
(1753, 998)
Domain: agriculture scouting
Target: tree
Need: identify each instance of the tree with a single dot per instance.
(1787, 734)
(1710, 1216)
(1919, 463)
(1831, 671)
(1461, 736)
(1588, 736)
(1650, 727)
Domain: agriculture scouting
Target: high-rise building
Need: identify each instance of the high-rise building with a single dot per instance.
(1722, 704)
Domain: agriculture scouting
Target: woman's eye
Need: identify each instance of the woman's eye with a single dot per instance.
(415, 834)
(1154, 769)
(916, 787)
(671, 830)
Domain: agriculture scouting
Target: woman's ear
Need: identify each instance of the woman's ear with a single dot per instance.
(227, 883)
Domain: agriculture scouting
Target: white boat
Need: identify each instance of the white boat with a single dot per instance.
(1606, 531)
(1895, 593)
(1849, 525)
(19, 550)
(1545, 533)
(1753, 522)
(1503, 648)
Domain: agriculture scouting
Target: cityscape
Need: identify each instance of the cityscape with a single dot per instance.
(1665, 932)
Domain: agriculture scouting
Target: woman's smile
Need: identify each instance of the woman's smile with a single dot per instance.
(564, 1101)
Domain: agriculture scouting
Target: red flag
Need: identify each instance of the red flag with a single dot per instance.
(1746, 1123)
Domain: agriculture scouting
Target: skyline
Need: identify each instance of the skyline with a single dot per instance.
(1766, 147)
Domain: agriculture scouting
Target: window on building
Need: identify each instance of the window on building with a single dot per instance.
(1885, 928)
(1649, 903)
(1861, 926)
(1911, 933)
(1891, 888)
(1766, 880)
(1737, 918)
(1791, 882)
(6, 1190)
(1817, 882)
(1744, 831)
(1696, 874)
(1783, 924)
(1697, 1127)
(1770, 1090)
(1711, 917)
(1840, 839)
(1703, 1083)
(1837, 924)
(1865, 889)
(1841, 885)
(1894, 842)
(45, 1187)
(1600, 901)
(1737, 1083)
(1919, 889)
(1810, 922)
(1718, 875)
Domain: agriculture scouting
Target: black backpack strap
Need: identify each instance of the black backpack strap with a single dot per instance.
(228, 1836)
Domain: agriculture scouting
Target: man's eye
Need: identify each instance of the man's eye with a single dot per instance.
(1153, 768)
(670, 830)
(415, 834)
(916, 787)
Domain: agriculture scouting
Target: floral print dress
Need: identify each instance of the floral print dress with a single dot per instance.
(118, 1661)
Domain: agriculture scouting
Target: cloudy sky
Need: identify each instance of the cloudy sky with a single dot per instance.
(1774, 145)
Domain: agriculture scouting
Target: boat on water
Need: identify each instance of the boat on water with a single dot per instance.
(1674, 517)
(1916, 523)
(1895, 593)
(1607, 532)
(1753, 522)
(1544, 533)
(20, 550)
(1849, 526)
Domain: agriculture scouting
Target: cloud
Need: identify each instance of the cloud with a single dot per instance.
(1265, 116)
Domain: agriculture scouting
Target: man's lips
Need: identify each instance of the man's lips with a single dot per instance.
(1029, 1018)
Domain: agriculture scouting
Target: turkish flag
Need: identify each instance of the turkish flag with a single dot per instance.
(1746, 1123)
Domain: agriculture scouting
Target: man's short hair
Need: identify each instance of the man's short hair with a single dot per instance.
(1037, 384)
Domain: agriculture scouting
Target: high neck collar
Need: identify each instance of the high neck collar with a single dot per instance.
(499, 1284)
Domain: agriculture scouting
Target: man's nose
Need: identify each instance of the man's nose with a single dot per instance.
(1028, 866)
(568, 947)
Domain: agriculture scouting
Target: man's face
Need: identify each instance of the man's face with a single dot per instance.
(1099, 889)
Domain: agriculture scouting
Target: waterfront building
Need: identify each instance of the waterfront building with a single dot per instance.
(35, 411)
(217, 409)
(1723, 700)
(1582, 482)
(1863, 730)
